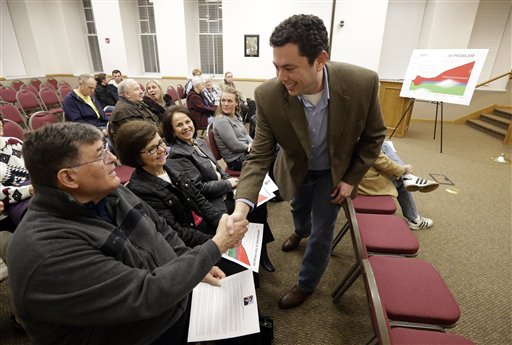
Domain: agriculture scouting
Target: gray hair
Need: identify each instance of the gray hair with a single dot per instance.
(82, 78)
(124, 85)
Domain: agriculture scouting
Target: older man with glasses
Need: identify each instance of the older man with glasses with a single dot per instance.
(91, 263)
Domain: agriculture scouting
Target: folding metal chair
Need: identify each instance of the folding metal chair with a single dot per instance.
(41, 118)
(12, 129)
(35, 83)
(51, 101)
(384, 334)
(171, 91)
(412, 291)
(16, 84)
(10, 112)
(29, 103)
(8, 94)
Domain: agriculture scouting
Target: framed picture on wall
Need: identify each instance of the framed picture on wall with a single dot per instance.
(252, 45)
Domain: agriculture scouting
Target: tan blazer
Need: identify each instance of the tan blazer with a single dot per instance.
(377, 180)
(355, 132)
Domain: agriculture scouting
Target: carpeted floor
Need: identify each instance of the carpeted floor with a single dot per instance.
(470, 244)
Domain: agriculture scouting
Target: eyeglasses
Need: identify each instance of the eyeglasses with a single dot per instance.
(104, 157)
(153, 149)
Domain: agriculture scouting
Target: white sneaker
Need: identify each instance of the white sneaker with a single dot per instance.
(420, 223)
(413, 183)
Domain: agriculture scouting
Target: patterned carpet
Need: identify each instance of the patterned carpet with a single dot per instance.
(470, 244)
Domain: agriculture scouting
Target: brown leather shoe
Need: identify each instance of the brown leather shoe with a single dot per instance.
(293, 298)
(291, 243)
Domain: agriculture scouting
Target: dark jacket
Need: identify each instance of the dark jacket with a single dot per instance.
(126, 110)
(199, 111)
(157, 108)
(184, 158)
(76, 110)
(80, 279)
(175, 203)
(105, 95)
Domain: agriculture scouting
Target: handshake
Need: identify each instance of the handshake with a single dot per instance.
(232, 228)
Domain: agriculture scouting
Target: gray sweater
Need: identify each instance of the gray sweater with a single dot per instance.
(78, 279)
(231, 137)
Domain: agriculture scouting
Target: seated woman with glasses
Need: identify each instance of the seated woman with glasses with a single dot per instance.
(172, 195)
(194, 158)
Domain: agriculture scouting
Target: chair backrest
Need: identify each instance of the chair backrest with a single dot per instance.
(53, 81)
(171, 91)
(63, 82)
(35, 83)
(12, 129)
(359, 248)
(64, 90)
(142, 87)
(181, 91)
(16, 84)
(49, 97)
(211, 142)
(10, 112)
(47, 84)
(30, 88)
(29, 102)
(380, 321)
(8, 94)
(40, 118)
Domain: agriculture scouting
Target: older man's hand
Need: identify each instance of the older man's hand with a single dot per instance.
(226, 240)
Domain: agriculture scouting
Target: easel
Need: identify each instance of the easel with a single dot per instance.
(437, 103)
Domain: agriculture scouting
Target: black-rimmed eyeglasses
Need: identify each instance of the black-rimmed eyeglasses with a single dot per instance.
(153, 149)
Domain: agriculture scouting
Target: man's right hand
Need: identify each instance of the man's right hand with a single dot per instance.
(226, 240)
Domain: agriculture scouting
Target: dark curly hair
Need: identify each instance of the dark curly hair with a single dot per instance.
(305, 30)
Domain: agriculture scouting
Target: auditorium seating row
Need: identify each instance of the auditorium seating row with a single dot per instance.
(409, 301)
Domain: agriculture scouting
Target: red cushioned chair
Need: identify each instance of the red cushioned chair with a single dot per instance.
(16, 84)
(35, 83)
(377, 204)
(210, 139)
(387, 335)
(53, 82)
(30, 88)
(8, 94)
(171, 91)
(29, 102)
(64, 89)
(41, 118)
(51, 101)
(12, 129)
(412, 290)
(10, 112)
(380, 234)
(124, 172)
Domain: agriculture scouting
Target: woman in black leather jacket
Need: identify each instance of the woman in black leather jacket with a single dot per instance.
(193, 158)
(172, 195)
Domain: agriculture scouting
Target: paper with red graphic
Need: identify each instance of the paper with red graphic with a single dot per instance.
(247, 254)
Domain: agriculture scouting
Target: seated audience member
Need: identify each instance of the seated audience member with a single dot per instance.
(196, 72)
(129, 107)
(91, 263)
(117, 78)
(247, 106)
(193, 158)
(106, 95)
(15, 187)
(389, 175)
(212, 91)
(171, 194)
(230, 135)
(156, 99)
(81, 105)
(200, 111)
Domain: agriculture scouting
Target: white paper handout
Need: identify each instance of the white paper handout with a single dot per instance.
(266, 192)
(228, 311)
(247, 254)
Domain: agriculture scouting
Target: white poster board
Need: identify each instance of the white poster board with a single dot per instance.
(443, 75)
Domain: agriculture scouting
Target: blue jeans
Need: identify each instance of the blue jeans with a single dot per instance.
(405, 198)
(314, 215)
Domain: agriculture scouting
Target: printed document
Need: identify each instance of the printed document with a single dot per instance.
(228, 311)
(247, 254)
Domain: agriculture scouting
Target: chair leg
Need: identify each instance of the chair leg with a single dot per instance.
(347, 282)
(339, 236)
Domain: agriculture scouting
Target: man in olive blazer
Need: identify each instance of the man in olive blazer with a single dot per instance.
(326, 118)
